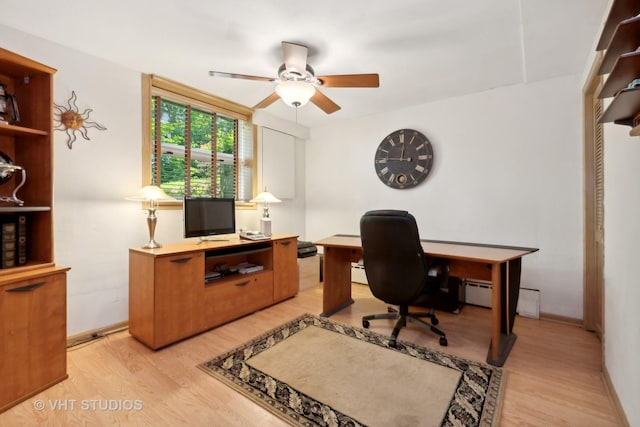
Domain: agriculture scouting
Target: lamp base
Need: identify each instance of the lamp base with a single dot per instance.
(152, 245)
(265, 226)
(152, 219)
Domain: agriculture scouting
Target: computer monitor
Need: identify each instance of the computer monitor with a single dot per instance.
(209, 216)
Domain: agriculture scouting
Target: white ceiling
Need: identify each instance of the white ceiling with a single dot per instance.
(423, 50)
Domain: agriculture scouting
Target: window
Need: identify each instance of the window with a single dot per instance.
(196, 144)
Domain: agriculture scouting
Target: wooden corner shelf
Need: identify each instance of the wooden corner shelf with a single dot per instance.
(620, 10)
(7, 129)
(18, 209)
(625, 39)
(626, 69)
(621, 60)
(623, 108)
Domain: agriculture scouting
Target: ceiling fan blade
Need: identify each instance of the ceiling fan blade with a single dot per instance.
(295, 57)
(324, 103)
(240, 76)
(267, 101)
(350, 80)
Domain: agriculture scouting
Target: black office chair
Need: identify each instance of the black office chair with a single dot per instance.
(397, 269)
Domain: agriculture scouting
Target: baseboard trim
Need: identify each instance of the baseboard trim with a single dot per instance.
(611, 392)
(562, 319)
(87, 336)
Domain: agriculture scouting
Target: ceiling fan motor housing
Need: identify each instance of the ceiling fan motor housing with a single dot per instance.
(307, 76)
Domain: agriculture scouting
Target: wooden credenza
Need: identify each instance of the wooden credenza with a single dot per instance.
(171, 299)
(33, 333)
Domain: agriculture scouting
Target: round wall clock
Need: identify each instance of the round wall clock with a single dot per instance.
(403, 159)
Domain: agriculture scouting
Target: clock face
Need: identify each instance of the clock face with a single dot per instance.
(403, 159)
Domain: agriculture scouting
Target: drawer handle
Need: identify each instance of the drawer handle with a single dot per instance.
(245, 283)
(27, 288)
(287, 243)
(181, 260)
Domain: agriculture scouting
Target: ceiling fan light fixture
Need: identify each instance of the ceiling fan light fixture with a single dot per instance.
(295, 93)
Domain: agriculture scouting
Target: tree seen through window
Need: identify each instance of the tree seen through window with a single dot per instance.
(188, 134)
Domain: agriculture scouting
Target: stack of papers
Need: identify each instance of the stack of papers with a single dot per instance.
(247, 267)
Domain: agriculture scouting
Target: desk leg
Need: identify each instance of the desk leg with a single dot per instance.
(336, 292)
(505, 285)
(496, 314)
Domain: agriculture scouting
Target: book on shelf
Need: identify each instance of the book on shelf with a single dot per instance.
(211, 275)
(247, 267)
(13, 240)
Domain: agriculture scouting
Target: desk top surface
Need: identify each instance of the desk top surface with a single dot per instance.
(451, 250)
(194, 245)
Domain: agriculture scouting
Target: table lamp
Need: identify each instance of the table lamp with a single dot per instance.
(265, 198)
(153, 195)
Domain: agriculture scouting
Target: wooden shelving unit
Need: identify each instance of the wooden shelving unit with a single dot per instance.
(33, 290)
(621, 39)
(625, 39)
(625, 71)
(624, 107)
(8, 129)
(620, 11)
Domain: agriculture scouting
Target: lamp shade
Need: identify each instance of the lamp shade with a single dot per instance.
(265, 197)
(149, 192)
(295, 93)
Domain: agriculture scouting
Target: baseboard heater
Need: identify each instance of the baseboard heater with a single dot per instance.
(475, 292)
(478, 292)
(357, 273)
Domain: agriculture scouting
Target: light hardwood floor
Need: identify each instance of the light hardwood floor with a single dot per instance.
(553, 373)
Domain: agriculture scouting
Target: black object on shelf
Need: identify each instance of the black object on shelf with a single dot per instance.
(306, 249)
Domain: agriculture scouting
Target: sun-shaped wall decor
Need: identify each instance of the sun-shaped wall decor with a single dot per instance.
(71, 120)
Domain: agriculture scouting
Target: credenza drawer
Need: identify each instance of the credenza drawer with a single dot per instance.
(232, 298)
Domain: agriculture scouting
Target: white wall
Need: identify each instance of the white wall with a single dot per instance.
(289, 216)
(622, 269)
(94, 226)
(507, 170)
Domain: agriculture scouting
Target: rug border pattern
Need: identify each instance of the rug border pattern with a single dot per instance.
(476, 400)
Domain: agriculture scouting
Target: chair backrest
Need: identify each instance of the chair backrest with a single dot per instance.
(394, 261)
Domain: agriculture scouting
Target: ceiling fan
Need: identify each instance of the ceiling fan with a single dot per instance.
(298, 84)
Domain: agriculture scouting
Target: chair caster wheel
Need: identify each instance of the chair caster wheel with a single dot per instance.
(392, 343)
(434, 321)
(443, 341)
(365, 324)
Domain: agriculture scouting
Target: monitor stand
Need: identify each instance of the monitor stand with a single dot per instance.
(202, 239)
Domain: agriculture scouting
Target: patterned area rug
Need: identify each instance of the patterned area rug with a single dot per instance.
(313, 371)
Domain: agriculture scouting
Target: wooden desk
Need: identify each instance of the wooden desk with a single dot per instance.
(499, 264)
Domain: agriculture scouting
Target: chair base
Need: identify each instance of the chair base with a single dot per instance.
(402, 316)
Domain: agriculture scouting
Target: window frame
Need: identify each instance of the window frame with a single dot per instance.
(153, 85)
